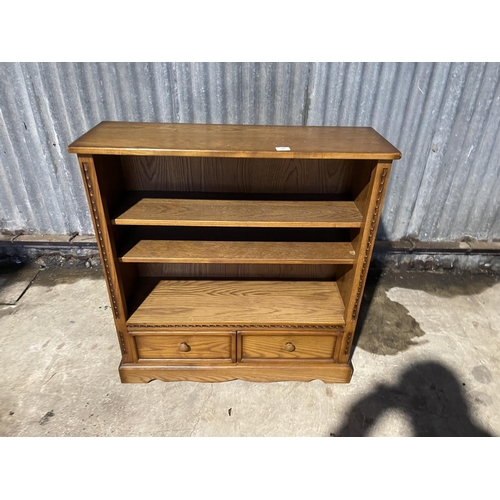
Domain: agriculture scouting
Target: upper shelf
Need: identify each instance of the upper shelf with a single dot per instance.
(235, 141)
(241, 213)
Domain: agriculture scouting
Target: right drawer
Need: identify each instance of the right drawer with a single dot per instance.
(285, 345)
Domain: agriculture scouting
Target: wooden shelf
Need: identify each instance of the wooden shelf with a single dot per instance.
(251, 303)
(239, 252)
(241, 213)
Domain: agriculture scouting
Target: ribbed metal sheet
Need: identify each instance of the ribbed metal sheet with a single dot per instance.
(444, 117)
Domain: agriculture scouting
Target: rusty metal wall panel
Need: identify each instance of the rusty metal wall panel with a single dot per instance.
(444, 117)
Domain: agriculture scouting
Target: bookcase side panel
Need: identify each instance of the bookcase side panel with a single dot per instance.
(352, 283)
(100, 218)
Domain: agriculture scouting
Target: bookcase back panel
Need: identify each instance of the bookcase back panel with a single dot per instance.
(235, 233)
(238, 271)
(237, 175)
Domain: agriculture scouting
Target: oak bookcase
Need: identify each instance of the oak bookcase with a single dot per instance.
(234, 251)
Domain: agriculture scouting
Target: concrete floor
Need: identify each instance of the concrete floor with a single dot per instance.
(426, 362)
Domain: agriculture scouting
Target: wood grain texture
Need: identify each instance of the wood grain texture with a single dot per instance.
(272, 371)
(199, 346)
(345, 278)
(175, 139)
(238, 175)
(132, 234)
(239, 271)
(239, 252)
(361, 185)
(281, 303)
(97, 187)
(241, 213)
(356, 278)
(110, 172)
(287, 346)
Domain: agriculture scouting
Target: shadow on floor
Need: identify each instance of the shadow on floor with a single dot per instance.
(385, 327)
(428, 394)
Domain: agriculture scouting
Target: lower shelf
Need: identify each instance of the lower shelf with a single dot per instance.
(236, 304)
(240, 252)
(252, 372)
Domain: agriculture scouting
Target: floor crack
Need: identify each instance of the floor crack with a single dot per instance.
(27, 287)
(198, 416)
(51, 377)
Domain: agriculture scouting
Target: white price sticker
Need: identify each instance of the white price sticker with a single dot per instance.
(282, 148)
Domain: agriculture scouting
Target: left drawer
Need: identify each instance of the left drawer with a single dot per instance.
(187, 346)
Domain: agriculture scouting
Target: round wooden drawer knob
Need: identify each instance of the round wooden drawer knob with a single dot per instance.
(289, 347)
(184, 347)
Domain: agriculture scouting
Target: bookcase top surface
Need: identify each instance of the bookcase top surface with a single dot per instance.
(234, 141)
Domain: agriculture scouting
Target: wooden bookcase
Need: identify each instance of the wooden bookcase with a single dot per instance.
(234, 252)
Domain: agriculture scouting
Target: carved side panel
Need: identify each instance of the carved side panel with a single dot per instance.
(101, 223)
(368, 235)
(98, 223)
(123, 346)
(369, 246)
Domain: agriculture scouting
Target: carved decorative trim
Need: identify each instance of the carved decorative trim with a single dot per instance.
(98, 224)
(122, 343)
(312, 327)
(348, 344)
(371, 237)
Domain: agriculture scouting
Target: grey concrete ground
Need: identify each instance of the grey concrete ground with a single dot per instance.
(426, 362)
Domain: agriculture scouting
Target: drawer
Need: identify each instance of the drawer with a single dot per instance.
(185, 346)
(287, 346)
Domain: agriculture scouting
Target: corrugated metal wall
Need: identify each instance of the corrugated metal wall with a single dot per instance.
(445, 118)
